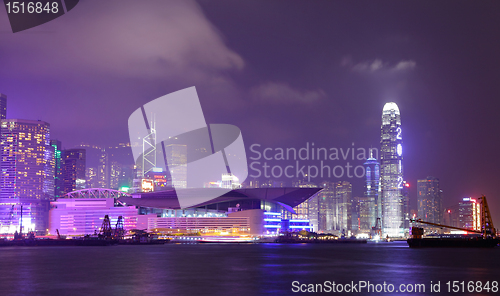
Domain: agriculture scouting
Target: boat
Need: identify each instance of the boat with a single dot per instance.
(484, 238)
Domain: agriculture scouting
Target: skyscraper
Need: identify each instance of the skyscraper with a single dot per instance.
(3, 106)
(73, 172)
(343, 209)
(369, 205)
(469, 213)
(391, 171)
(326, 202)
(176, 156)
(430, 207)
(58, 180)
(27, 175)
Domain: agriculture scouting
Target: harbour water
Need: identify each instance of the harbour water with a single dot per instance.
(230, 269)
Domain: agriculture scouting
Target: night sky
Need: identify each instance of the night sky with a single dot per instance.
(285, 72)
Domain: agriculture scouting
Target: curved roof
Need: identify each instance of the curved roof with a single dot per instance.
(288, 197)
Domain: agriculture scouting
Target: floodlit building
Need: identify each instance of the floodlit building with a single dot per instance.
(429, 201)
(256, 211)
(58, 168)
(326, 206)
(81, 216)
(470, 213)
(27, 165)
(73, 169)
(176, 156)
(369, 204)
(343, 210)
(391, 172)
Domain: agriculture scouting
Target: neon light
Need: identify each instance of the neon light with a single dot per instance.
(299, 221)
(272, 220)
(300, 226)
(272, 226)
(271, 213)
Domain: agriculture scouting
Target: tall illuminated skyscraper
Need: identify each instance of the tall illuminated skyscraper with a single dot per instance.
(391, 172)
(73, 172)
(58, 180)
(469, 214)
(343, 208)
(369, 205)
(27, 175)
(176, 156)
(429, 200)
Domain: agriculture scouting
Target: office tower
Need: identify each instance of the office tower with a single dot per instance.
(469, 213)
(343, 210)
(369, 204)
(176, 156)
(91, 178)
(451, 216)
(58, 180)
(103, 170)
(308, 209)
(115, 171)
(3, 106)
(429, 200)
(391, 172)
(326, 202)
(27, 175)
(73, 173)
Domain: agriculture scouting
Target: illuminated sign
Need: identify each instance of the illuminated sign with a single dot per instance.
(399, 149)
(147, 185)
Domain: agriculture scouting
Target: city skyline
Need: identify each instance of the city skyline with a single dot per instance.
(343, 76)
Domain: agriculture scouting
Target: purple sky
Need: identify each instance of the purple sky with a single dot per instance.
(284, 72)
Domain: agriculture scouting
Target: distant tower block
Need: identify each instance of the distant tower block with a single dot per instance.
(391, 172)
(3, 106)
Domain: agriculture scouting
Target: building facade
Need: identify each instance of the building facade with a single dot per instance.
(176, 156)
(27, 175)
(391, 172)
(342, 220)
(429, 201)
(326, 206)
(73, 171)
(81, 216)
(369, 204)
(470, 213)
(58, 167)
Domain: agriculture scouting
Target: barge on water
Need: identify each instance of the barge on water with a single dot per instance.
(484, 238)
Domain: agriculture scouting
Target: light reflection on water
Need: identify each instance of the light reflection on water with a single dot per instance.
(225, 269)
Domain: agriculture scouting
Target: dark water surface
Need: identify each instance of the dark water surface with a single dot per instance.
(225, 269)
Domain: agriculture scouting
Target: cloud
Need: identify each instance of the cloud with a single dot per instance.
(405, 65)
(377, 65)
(282, 92)
(125, 38)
